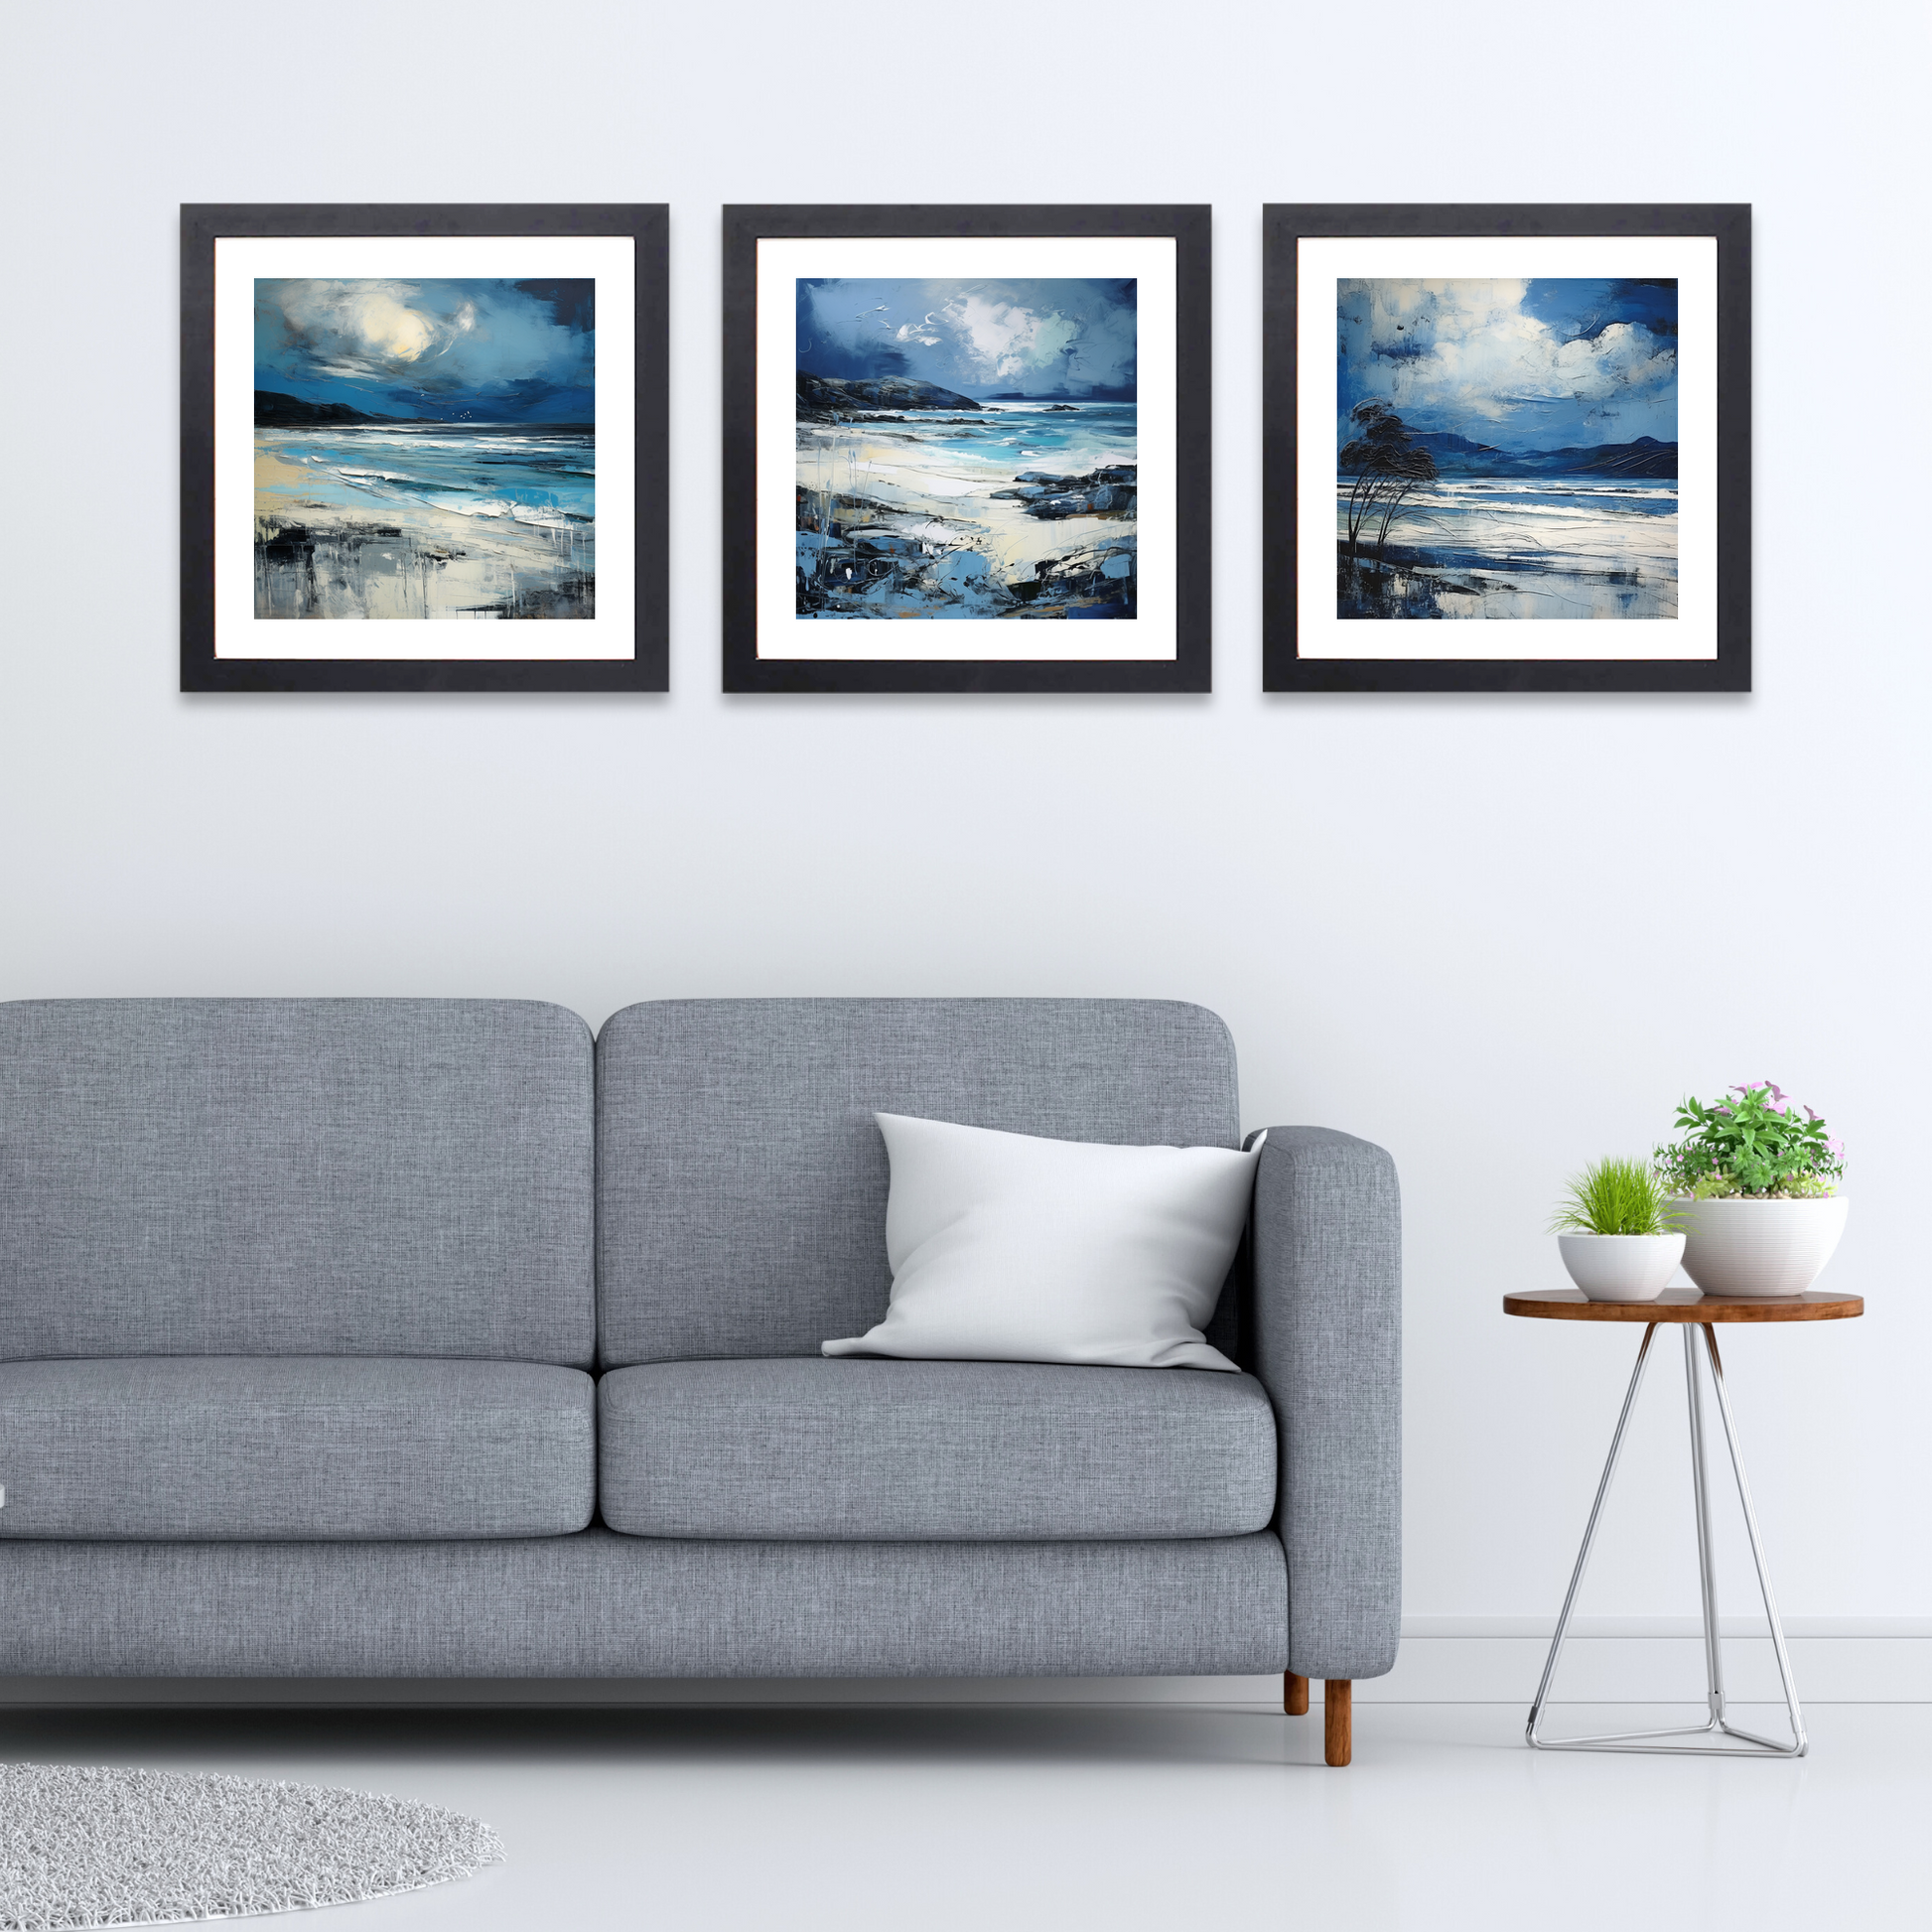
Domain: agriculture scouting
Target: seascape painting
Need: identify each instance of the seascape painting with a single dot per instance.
(425, 448)
(966, 447)
(1506, 449)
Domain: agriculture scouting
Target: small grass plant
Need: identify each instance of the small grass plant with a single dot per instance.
(1615, 1196)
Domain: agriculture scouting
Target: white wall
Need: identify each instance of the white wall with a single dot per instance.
(1498, 934)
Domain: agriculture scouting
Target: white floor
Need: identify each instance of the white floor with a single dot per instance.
(1073, 1818)
(1094, 1818)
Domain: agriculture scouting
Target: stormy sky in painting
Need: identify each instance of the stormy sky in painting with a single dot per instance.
(1520, 364)
(985, 338)
(473, 349)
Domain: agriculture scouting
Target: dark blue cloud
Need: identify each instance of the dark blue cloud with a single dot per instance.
(457, 350)
(1579, 309)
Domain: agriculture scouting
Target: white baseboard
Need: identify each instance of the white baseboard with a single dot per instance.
(1444, 1660)
(1653, 1670)
(1643, 1660)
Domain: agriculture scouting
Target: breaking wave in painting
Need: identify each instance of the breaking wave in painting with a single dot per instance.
(426, 520)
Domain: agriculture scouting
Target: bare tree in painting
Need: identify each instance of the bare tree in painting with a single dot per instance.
(1387, 464)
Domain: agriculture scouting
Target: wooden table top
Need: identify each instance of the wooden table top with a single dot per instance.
(1686, 1304)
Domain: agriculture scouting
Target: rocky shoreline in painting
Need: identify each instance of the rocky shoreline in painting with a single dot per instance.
(908, 550)
(917, 499)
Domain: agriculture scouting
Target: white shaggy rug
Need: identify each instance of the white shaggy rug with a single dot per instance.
(82, 1847)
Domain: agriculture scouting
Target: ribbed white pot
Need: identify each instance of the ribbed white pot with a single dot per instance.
(1621, 1266)
(1759, 1247)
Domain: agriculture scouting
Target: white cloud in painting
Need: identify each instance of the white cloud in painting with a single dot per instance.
(426, 335)
(364, 328)
(1468, 349)
(988, 336)
(1007, 343)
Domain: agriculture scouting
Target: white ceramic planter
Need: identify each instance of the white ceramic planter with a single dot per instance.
(1621, 1266)
(1759, 1247)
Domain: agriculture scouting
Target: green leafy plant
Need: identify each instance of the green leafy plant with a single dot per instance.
(1755, 1146)
(1613, 1197)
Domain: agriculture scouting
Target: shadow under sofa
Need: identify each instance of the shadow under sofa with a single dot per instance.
(398, 1338)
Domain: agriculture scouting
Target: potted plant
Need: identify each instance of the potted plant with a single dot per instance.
(1757, 1189)
(1616, 1232)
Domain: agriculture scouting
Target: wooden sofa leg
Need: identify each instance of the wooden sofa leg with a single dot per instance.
(1337, 1730)
(1294, 1695)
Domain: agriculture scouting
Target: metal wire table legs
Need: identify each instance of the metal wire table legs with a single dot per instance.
(1715, 1724)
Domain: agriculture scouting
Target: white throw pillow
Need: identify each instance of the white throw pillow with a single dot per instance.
(1007, 1248)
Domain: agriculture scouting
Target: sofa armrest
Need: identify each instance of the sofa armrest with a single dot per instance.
(1327, 1342)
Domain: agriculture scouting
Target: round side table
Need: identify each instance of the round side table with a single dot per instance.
(1698, 1316)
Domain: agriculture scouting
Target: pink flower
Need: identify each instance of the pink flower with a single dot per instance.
(1834, 1146)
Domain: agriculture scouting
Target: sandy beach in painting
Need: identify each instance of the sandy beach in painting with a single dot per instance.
(420, 520)
(1502, 547)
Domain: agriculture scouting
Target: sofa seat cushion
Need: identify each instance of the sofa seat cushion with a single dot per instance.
(293, 1446)
(904, 1451)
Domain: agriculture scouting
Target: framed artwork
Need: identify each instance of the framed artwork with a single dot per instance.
(966, 449)
(1507, 449)
(424, 448)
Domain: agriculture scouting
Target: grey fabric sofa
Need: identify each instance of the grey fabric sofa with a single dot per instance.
(426, 1339)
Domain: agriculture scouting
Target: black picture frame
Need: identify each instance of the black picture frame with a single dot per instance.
(646, 669)
(1189, 669)
(1285, 669)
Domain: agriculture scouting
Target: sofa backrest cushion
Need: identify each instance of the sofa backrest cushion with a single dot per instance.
(296, 1177)
(741, 1178)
